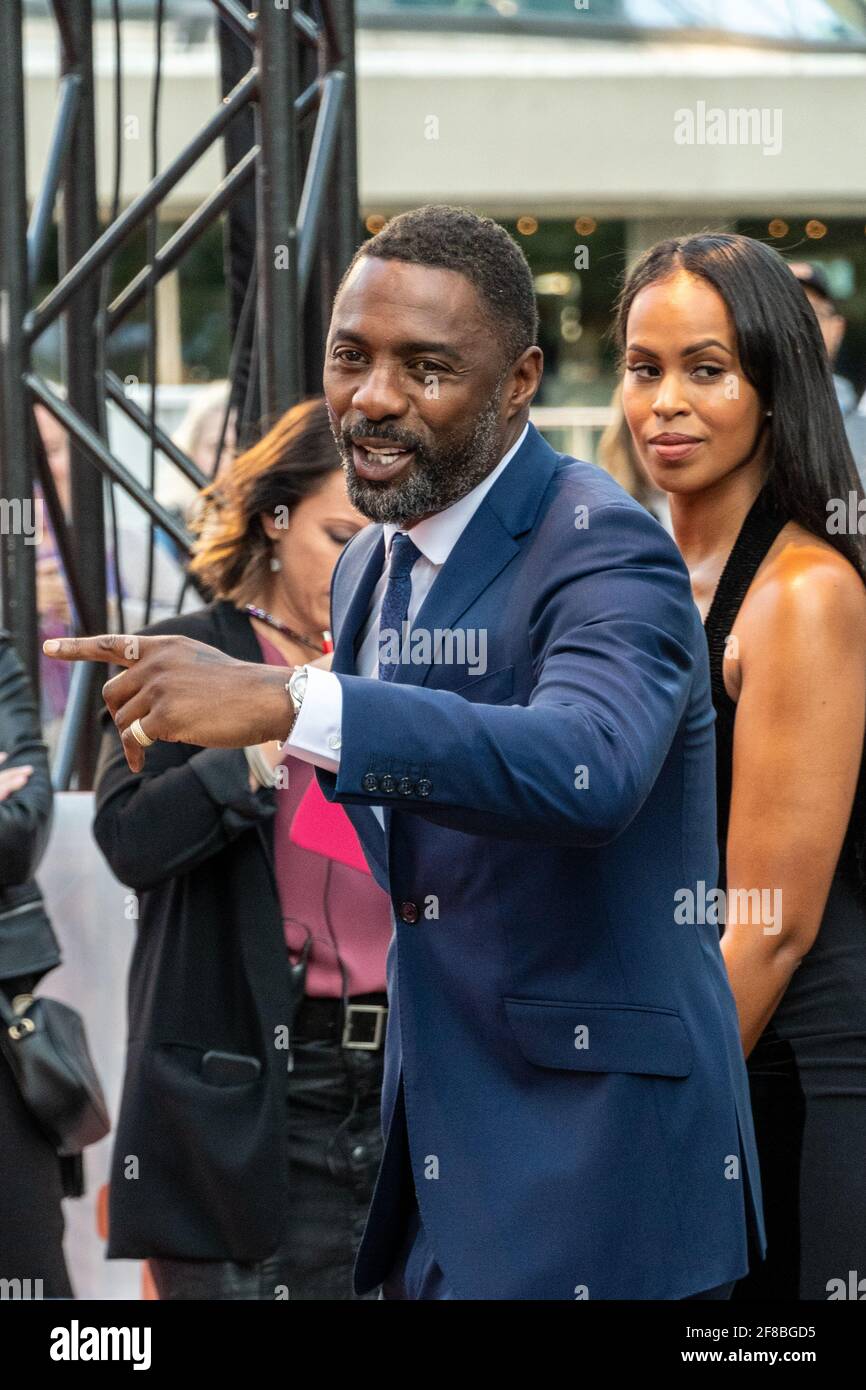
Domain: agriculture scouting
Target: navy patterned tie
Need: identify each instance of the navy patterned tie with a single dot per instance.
(395, 605)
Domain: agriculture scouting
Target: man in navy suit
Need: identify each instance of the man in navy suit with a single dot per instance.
(520, 701)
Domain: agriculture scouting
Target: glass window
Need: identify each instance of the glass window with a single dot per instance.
(785, 21)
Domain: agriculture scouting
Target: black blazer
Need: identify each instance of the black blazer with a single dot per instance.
(198, 1171)
(28, 947)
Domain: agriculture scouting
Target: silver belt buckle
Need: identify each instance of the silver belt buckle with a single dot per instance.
(381, 1012)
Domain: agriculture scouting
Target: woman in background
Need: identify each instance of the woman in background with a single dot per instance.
(31, 1186)
(730, 401)
(249, 1137)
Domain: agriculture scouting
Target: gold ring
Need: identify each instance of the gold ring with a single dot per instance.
(139, 735)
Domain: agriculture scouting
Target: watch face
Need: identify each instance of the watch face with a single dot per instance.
(297, 686)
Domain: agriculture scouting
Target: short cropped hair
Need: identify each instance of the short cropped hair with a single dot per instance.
(450, 238)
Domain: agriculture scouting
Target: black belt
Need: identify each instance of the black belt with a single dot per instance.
(360, 1025)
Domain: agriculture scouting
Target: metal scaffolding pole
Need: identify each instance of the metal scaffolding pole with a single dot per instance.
(279, 329)
(17, 549)
(341, 230)
(79, 230)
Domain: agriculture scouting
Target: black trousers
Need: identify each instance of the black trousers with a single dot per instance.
(334, 1137)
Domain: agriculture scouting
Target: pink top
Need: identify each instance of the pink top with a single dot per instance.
(340, 905)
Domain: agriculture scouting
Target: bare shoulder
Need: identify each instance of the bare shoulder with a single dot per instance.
(805, 590)
(807, 603)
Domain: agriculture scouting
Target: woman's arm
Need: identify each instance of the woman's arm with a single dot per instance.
(25, 814)
(798, 741)
(187, 806)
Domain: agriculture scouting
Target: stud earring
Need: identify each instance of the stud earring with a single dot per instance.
(768, 412)
(276, 563)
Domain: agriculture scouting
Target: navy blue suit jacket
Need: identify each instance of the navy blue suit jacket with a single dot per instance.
(564, 1081)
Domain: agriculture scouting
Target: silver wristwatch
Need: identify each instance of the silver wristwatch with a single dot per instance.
(296, 685)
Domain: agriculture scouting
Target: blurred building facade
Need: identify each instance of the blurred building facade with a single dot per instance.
(588, 127)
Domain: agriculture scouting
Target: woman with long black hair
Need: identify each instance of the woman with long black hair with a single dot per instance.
(730, 401)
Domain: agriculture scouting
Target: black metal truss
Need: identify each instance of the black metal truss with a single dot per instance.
(300, 89)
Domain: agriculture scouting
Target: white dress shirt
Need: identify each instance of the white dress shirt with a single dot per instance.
(315, 737)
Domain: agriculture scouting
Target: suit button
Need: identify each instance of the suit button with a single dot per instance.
(409, 912)
(424, 787)
(370, 782)
(405, 786)
(387, 783)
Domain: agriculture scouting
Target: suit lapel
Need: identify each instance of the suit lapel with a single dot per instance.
(353, 589)
(354, 581)
(487, 544)
(483, 550)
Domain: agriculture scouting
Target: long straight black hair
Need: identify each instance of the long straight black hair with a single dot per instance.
(783, 356)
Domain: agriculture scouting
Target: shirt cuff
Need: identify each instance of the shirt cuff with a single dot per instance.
(316, 734)
(265, 775)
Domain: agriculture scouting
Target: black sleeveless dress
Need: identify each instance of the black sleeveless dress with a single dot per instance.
(807, 1073)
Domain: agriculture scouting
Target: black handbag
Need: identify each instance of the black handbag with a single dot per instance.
(46, 1047)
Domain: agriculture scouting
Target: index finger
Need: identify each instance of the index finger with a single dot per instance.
(120, 648)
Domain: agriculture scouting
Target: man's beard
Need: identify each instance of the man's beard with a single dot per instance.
(438, 475)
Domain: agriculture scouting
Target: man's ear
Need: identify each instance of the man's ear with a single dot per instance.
(526, 374)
